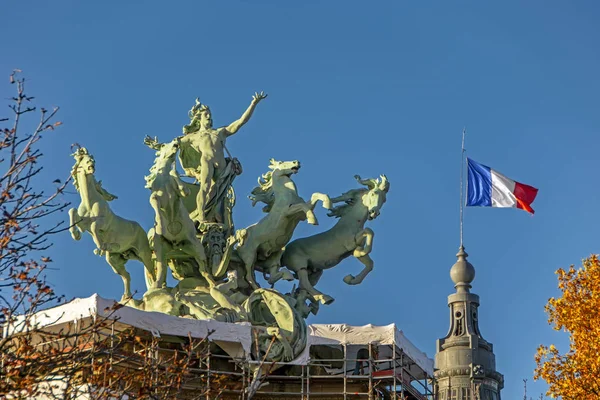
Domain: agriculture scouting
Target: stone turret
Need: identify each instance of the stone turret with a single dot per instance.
(464, 361)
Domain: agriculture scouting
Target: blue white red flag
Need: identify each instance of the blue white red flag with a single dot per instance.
(489, 188)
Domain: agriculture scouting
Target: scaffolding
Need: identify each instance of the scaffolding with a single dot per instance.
(372, 371)
(339, 362)
(366, 378)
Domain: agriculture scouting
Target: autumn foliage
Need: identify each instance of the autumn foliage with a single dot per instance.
(576, 373)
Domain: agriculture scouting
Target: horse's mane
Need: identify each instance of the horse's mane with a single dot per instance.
(353, 194)
(74, 173)
(153, 171)
(105, 193)
(264, 191)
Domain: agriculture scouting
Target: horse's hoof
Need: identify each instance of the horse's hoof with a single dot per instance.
(286, 275)
(324, 299)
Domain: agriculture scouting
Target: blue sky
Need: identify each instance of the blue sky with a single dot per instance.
(354, 88)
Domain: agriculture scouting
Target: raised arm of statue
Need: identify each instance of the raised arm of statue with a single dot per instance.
(236, 125)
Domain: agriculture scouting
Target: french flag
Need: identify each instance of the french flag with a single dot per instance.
(489, 188)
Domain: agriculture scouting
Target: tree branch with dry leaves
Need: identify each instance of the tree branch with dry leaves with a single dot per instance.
(94, 356)
(25, 228)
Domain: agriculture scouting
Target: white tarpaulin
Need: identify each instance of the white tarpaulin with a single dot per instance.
(230, 336)
(340, 334)
(157, 323)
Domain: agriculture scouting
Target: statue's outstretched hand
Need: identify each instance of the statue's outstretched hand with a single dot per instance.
(258, 97)
(152, 142)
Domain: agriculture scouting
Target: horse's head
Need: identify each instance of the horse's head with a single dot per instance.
(164, 151)
(284, 168)
(374, 198)
(264, 191)
(168, 150)
(84, 162)
(165, 158)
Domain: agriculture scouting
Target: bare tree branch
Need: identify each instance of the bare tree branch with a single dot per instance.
(90, 357)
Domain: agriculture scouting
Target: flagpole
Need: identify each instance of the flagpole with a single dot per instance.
(462, 175)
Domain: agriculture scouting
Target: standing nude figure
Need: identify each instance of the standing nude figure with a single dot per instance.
(202, 157)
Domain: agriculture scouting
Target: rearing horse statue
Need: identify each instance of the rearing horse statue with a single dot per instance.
(116, 238)
(265, 240)
(308, 257)
(173, 234)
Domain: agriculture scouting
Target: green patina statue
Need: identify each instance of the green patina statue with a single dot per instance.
(265, 240)
(116, 238)
(202, 157)
(194, 237)
(308, 257)
(173, 233)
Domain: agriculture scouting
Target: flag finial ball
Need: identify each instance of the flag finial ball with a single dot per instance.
(462, 272)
